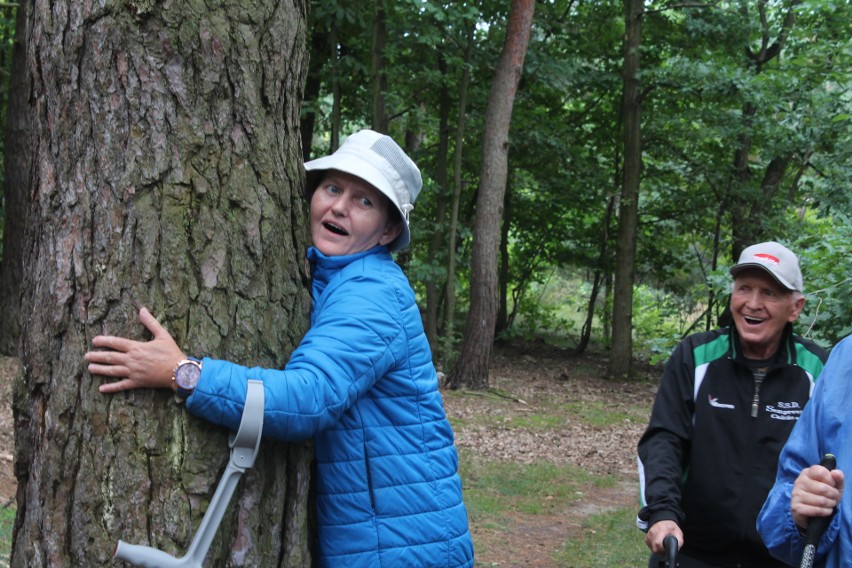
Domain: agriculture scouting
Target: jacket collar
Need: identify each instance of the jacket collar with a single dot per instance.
(324, 267)
(786, 352)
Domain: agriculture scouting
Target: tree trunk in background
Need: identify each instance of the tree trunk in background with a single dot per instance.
(621, 354)
(752, 207)
(452, 230)
(597, 279)
(471, 369)
(335, 89)
(380, 119)
(502, 322)
(320, 51)
(436, 244)
(16, 173)
(166, 170)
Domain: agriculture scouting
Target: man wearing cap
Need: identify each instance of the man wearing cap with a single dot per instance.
(726, 404)
(361, 382)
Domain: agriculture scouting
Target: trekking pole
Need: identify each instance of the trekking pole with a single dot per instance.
(244, 447)
(817, 525)
(670, 544)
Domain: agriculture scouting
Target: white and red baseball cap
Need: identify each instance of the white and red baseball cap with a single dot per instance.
(774, 258)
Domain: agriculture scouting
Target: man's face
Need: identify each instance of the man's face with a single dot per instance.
(761, 308)
(348, 215)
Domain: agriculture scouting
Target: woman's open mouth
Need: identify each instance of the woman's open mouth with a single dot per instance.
(336, 229)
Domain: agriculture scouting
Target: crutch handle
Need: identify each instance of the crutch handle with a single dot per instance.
(244, 448)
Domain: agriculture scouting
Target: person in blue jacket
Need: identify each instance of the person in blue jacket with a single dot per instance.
(361, 382)
(804, 490)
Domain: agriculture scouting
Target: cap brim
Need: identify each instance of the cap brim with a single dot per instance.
(740, 267)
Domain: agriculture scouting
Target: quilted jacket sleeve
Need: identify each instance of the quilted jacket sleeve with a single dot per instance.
(818, 431)
(355, 338)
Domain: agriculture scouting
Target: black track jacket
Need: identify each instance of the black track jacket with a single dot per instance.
(709, 455)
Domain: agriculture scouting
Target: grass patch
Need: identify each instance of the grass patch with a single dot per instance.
(538, 421)
(7, 523)
(601, 414)
(608, 540)
(492, 489)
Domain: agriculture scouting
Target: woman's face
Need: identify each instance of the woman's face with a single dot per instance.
(348, 215)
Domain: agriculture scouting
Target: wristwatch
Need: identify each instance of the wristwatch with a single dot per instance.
(186, 376)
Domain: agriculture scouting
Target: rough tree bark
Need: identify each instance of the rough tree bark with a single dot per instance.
(16, 178)
(621, 354)
(166, 170)
(471, 368)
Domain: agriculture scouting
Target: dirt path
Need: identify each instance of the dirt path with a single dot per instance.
(535, 380)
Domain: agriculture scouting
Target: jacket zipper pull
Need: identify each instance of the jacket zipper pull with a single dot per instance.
(755, 403)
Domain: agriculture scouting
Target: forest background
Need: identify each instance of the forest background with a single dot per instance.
(743, 112)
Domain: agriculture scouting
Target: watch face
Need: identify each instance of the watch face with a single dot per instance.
(187, 375)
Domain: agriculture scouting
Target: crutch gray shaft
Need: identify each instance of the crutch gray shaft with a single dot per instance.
(244, 447)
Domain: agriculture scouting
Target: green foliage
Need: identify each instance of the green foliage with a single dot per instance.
(828, 284)
(703, 96)
(565, 147)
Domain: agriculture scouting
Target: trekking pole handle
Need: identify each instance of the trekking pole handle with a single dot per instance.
(817, 525)
(670, 544)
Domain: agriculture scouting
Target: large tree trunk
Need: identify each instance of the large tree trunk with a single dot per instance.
(621, 354)
(16, 171)
(167, 168)
(471, 369)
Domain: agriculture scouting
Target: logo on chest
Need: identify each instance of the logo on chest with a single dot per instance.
(714, 402)
(784, 410)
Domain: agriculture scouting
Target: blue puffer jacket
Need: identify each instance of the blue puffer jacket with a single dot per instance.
(362, 382)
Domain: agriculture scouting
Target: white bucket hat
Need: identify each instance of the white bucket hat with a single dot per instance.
(776, 259)
(378, 160)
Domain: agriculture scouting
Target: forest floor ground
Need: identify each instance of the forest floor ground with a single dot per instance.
(541, 408)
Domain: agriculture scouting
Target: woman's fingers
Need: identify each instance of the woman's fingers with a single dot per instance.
(118, 386)
(151, 323)
(139, 364)
(121, 344)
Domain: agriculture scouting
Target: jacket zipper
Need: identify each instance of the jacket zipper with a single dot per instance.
(755, 403)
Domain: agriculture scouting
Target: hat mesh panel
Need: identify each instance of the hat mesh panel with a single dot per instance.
(387, 149)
